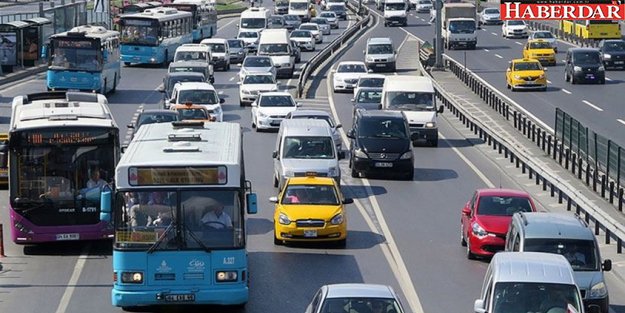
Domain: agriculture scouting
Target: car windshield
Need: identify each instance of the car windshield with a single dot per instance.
(535, 297)
(352, 68)
(336, 8)
(192, 114)
(273, 49)
(614, 46)
(172, 81)
(190, 56)
(248, 35)
(491, 11)
(309, 27)
(462, 27)
(425, 2)
(257, 62)
(580, 253)
(503, 205)
(320, 21)
(291, 17)
(299, 5)
(369, 96)
(276, 101)
(361, 305)
(328, 14)
(308, 148)
(301, 34)
(152, 118)
(380, 49)
(527, 66)
(543, 35)
(540, 45)
(310, 194)
(217, 47)
(516, 23)
(410, 101)
(371, 82)
(259, 79)
(395, 6)
(198, 96)
(235, 44)
(278, 21)
(382, 128)
(194, 69)
(316, 117)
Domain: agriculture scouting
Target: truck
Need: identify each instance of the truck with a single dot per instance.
(459, 25)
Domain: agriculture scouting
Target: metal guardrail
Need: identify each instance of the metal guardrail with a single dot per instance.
(546, 140)
(331, 48)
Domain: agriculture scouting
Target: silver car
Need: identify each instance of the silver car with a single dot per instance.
(237, 50)
(355, 298)
(367, 98)
(304, 38)
(547, 36)
(320, 115)
(257, 64)
(292, 21)
(324, 26)
(332, 18)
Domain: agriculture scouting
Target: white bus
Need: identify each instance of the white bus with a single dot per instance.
(179, 214)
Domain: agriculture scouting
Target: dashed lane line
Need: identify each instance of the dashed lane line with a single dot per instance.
(566, 91)
(621, 121)
(497, 55)
(518, 43)
(592, 105)
(494, 34)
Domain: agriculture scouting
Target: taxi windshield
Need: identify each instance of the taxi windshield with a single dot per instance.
(540, 45)
(310, 194)
(527, 66)
(545, 35)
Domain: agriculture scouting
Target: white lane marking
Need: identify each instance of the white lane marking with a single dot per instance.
(24, 81)
(494, 34)
(221, 92)
(566, 91)
(592, 105)
(608, 79)
(222, 27)
(497, 55)
(402, 44)
(484, 29)
(621, 121)
(231, 78)
(548, 81)
(73, 280)
(486, 50)
(518, 43)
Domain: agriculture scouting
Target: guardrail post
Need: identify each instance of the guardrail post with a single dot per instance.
(587, 174)
(597, 228)
(579, 168)
(608, 234)
(578, 209)
(524, 121)
(560, 197)
(537, 178)
(548, 145)
(555, 148)
(567, 152)
(619, 247)
(594, 180)
(603, 185)
(530, 172)
(560, 153)
(553, 190)
(1, 242)
(611, 192)
(505, 152)
(573, 163)
(620, 199)
(522, 167)
(515, 122)
(545, 184)
(568, 203)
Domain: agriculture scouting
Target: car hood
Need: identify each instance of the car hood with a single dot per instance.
(513, 27)
(301, 39)
(341, 76)
(263, 87)
(377, 145)
(392, 13)
(586, 279)
(308, 211)
(531, 73)
(492, 16)
(381, 56)
(614, 52)
(494, 224)
(419, 117)
(276, 110)
(309, 165)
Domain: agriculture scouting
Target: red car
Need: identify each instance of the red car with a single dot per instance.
(486, 217)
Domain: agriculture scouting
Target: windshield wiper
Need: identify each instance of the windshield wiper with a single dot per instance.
(163, 236)
(198, 241)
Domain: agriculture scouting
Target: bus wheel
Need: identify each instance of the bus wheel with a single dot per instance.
(127, 63)
(114, 84)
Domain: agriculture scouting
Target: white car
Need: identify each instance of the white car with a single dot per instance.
(333, 20)
(304, 38)
(255, 84)
(324, 26)
(490, 16)
(369, 80)
(358, 297)
(346, 75)
(547, 36)
(257, 64)
(320, 115)
(423, 6)
(203, 94)
(220, 52)
(271, 108)
(314, 29)
(250, 38)
(514, 29)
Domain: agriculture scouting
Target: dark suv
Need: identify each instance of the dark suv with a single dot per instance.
(381, 142)
(583, 65)
(613, 53)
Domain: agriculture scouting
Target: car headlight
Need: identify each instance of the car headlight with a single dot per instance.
(598, 290)
(478, 230)
(226, 276)
(337, 219)
(607, 56)
(541, 76)
(601, 68)
(370, 59)
(240, 52)
(333, 172)
(359, 153)
(285, 65)
(406, 155)
(517, 77)
(245, 91)
(430, 125)
(132, 277)
(283, 219)
(577, 68)
(261, 114)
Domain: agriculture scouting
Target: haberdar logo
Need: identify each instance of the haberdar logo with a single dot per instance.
(562, 10)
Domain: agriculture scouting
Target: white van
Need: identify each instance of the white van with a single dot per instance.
(414, 95)
(305, 145)
(254, 19)
(276, 43)
(396, 12)
(220, 52)
(300, 8)
(193, 52)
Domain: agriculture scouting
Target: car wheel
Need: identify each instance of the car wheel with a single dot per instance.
(462, 241)
(354, 173)
(341, 243)
(566, 77)
(277, 241)
(127, 63)
(470, 254)
(602, 81)
(253, 123)
(512, 88)
(573, 80)
(241, 104)
(275, 181)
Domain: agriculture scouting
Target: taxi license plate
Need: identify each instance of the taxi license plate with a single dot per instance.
(67, 236)
(310, 233)
(180, 298)
(383, 164)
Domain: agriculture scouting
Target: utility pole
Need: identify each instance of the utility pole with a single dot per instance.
(438, 49)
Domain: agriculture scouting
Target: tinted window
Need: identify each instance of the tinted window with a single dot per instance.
(360, 305)
(590, 57)
(276, 101)
(257, 62)
(351, 68)
(235, 44)
(413, 101)
(248, 35)
(309, 27)
(503, 206)
(527, 66)
(382, 128)
(217, 47)
(371, 82)
(513, 297)
(190, 56)
(380, 49)
(545, 35)
(369, 96)
(301, 34)
(308, 148)
(395, 6)
(516, 23)
(491, 11)
(151, 118)
(310, 194)
(315, 117)
(198, 96)
(192, 114)
(173, 80)
(614, 46)
(540, 45)
(580, 253)
(258, 79)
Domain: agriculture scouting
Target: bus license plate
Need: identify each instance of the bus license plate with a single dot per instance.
(383, 164)
(180, 298)
(67, 236)
(310, 233)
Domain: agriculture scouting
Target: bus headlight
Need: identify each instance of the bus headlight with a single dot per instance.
(226, 276)
(337, 219)
(283, 219)
(132, 277)
(598, 290)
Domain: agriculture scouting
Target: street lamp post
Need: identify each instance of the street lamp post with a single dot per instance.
(438, 49)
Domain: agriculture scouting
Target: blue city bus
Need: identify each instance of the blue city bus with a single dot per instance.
(204, 17)
(86, 58)
(179, 215)
(152, 36)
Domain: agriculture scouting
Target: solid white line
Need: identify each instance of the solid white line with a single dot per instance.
(486, 50)
(495, 34)
(518, 43)
(402, 44)
(621, 121)
(222, 27)
(592, 105)
(548, 81)
(497, 55)
(73, 280)
(566, 91)
(608, 79)
(484, 29)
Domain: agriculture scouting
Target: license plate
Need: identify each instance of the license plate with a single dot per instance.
(528, 83)
(383, 164)
(310, 233)
(619, 62)
(180, 298)
(590, 76)
(67, 236)
(380, 65)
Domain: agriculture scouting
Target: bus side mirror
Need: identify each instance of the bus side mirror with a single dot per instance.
(252, 203)
(105, 204)
(44, 51)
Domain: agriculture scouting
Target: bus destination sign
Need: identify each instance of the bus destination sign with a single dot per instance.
(155, 176)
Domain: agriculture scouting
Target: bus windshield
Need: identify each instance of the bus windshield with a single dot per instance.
(167, 219)
(139, 32)
(77, 55)
(253, 23)
(58, 172)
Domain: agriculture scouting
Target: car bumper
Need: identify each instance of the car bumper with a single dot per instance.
(517, 34)
(233, 295)
(238, 58)
(220, 62)
(328, 232)
(248, 98)
(375, 166)
(529, 85)
(381, 65)
(603, 303)
(268, 123)
(614, 63)
(584, 76)
(487, 245)
(344, 86)
(423, 10)
(492, 22)
(309, 46)
(395, 20)
(335, 24)
(463, 43)
(428, 134)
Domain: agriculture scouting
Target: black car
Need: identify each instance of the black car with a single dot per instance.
(380, 142)
(613, 53)
(151, 117)
(583, 65)
(171, 79)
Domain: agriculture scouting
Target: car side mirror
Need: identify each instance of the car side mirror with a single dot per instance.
(333, 70)
(337, 126)
(414, 136)
(478, 306)
(441, 109)
(239, 83)
(350, 133)
(607, 265)
(252, 203)
(341, 155)
(545, 69)
(297, 104)
(352, 99)
(278, 83)
(222, 100)
(172, 101)
(369, 71)
(348, 201)
(274, 154)
(105, 204)
(130, 125)
(161, 88)
(364, 52)
(254, 104)
(466, 211)
(273, 199)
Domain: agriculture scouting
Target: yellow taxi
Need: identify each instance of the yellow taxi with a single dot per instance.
(4, 158)
(193, 112)
(540, 50)
(310, 209)
(526, 74)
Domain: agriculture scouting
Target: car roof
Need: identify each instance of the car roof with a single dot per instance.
(188, 64)
(308, 24)
(277, 93)
(158, 111)
(525, 61)
(351, 63)
(379, 40)
(381, 113)
(194, 86)
(214, 40)
(192, 47)
(359, 291)
(502, 192)
(555, 225)
(537, 267)
(310, 113)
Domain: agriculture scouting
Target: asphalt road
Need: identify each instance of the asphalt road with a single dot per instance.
(404, 234)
